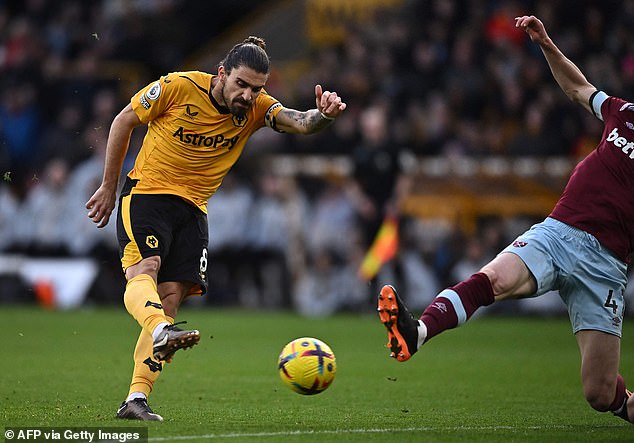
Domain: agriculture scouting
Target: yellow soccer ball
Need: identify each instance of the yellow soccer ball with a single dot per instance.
(307, 365)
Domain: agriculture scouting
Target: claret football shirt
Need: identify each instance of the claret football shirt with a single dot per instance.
(599, 197)
(191, 141)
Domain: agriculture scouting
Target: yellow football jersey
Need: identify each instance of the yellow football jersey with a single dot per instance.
(190, 144)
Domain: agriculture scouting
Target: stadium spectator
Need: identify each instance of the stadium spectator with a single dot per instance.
(83, 181)
(533, 138)
(198, 125)
(44, 215)
(581, 249)
(331, 207)
(275, 241)
(60, 139)
(228, 215)
(329, 285)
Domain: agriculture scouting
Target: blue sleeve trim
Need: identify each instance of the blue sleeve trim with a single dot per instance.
(596, 100)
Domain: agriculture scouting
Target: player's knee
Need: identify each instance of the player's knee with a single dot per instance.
(509, 277)
(149, 266)
(599, 397)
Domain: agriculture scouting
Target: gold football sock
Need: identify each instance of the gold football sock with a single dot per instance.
(142, 301)
(146, 369)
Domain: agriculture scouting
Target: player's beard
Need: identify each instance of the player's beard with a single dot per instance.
(238, 111)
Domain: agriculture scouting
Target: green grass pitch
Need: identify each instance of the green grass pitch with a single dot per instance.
(494, 379)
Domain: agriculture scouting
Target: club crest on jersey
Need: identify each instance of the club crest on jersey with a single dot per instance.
(239, 121)
(151, 241)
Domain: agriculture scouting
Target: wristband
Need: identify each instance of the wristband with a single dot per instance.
(325, 117)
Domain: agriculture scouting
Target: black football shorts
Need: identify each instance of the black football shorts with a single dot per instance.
(167, 226)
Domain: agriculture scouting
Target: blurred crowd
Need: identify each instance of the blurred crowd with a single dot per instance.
(432, 78)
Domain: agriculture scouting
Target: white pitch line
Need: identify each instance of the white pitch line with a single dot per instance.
(361, 431)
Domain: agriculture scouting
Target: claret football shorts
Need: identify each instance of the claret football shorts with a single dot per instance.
(590, 279)
(167, 226)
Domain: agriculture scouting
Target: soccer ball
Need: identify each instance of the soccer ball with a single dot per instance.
(307, 365)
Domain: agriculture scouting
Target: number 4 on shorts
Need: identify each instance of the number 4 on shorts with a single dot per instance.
(610, 303)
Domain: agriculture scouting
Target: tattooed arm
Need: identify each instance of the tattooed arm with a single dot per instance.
(297, 122)
(329, 106)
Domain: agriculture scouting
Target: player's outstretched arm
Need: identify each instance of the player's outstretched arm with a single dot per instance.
(329, 107)
(569, 77)
(102, 202)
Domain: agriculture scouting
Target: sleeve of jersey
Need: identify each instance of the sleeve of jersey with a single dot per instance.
(151, 101)
(596, 102)
(272, 107)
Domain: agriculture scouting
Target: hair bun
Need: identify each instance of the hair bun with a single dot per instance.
(257, 41)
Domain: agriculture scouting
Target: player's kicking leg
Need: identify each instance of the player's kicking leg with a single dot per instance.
(451, 308)
(403, 331)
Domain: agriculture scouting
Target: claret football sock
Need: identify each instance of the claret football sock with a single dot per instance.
(621, 396)
(455, 305)
(142, 301)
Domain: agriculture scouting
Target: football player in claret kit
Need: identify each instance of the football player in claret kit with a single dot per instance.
(581, 249)
(198, 124)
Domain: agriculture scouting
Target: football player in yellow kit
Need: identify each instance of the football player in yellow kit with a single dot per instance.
(197, 125)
